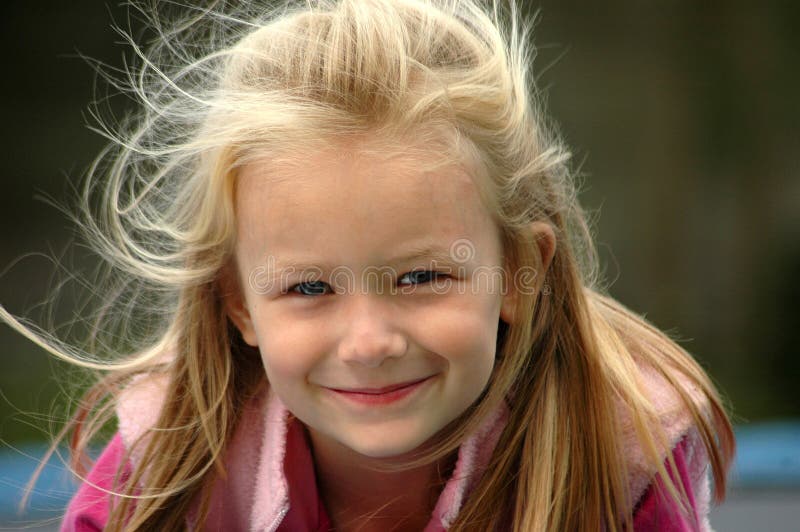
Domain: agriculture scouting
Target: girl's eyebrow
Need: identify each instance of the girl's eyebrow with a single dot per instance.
(433, 253)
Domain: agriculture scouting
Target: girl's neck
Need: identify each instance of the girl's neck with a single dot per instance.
(359, 498)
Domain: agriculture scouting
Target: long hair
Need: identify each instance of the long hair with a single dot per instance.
(221, 87)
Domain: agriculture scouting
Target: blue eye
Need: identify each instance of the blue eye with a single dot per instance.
(321, 288)
(310, 288)
(421, 276)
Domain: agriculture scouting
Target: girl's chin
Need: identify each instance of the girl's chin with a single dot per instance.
(391, 449)
(383, 447)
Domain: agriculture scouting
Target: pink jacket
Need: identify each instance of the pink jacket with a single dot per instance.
(271, 484)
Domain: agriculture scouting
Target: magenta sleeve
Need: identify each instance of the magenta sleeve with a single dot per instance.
(89, 508)
(657, 511)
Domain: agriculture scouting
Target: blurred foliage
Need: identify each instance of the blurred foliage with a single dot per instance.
(683, 119)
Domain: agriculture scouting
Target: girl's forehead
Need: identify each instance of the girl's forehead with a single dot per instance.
(374, 201)
(409, 177)
(358, 154)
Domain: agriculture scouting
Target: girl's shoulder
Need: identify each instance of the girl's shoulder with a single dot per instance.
(672, 418)
(138, 407)
(687, 469)
(88, 510)
(681, 449)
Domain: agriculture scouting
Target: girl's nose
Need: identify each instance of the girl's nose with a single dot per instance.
(369, 338)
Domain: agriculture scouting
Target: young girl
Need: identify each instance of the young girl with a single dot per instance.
(367, 295)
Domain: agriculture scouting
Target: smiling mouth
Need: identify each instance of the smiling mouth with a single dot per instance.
(382, 390)
(371, 398)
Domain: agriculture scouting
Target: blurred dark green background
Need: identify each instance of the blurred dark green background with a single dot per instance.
(683, 119)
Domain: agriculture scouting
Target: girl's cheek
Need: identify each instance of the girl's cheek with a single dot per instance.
(291, 347)
(464, 328)
(292, 358)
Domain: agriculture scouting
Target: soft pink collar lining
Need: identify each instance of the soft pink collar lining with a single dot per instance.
(272, 492)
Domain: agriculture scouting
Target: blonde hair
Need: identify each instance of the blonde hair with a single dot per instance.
(220, 88)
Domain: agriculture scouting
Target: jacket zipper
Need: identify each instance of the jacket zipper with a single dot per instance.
(277, 521)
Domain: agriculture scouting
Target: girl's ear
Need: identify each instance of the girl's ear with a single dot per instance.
(235, 306)
(545, 239)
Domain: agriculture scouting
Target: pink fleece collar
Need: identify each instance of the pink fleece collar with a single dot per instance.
(272, 498)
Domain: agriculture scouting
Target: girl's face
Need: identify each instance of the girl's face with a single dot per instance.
(362, 272)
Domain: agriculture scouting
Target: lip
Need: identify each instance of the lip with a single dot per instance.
(382, 396)
(377, 391)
